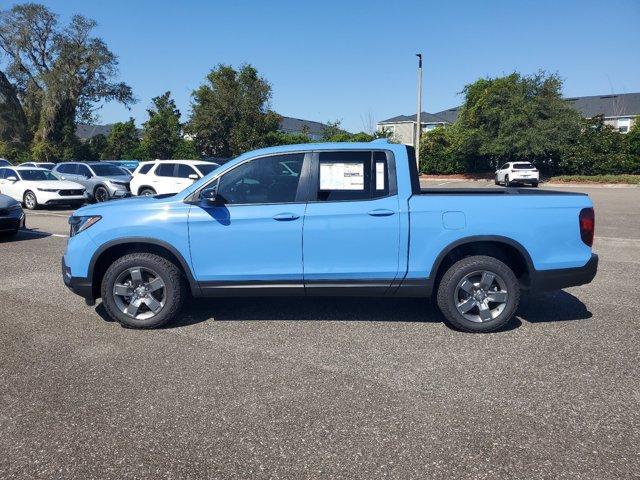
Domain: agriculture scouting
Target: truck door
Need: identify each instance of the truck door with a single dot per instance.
(351, 225)
(252, 240)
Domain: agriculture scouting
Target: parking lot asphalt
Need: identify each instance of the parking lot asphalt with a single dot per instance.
(321, 388)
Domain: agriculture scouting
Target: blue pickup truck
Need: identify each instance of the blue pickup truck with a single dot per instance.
(329, 219)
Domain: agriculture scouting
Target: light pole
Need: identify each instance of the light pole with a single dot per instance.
(418, 121)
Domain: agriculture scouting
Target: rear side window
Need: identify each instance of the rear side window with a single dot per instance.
(166, 170)
(145, 168)
(184, 171)
(352, 176)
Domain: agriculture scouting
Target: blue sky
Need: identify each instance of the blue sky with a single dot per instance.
(352, 60)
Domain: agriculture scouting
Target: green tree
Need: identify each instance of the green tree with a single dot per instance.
(230, 112)
(517, 118)
(122, 142)
(441, 151)
(60, 73)
(162, 132)
(599, 149)
(186, 150)
(633, 139)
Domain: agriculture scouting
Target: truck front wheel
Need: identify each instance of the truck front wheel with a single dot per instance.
(478, 294)
(143, 290)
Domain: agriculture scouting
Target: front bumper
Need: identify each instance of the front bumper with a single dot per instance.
(556, 279)
(79, 285)
(12, 223)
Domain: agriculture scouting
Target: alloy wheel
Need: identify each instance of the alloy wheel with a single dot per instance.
(481, 296)
(139, 292)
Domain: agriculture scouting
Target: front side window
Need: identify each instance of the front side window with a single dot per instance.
(68, 168)
(352, 175)
(106, 169)
(36, 175)
(272, 179)
(166, 170)
(84, 171)
(3, 173)
(145, 168)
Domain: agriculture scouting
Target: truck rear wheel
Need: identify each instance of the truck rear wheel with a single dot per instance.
(143, 290)
(478, 294)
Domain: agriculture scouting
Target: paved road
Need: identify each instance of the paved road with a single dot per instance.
(340, 388)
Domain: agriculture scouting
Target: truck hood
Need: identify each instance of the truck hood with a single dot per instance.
(121, 205)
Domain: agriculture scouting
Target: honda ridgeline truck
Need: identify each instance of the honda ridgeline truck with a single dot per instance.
(329, 219)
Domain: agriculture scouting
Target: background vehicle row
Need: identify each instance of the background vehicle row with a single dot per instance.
(102, 180)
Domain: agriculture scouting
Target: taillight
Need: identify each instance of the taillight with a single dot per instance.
(587, 225)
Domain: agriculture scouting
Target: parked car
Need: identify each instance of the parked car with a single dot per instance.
(168, 176)
(517, 172)
(47, 165)
(330, 219)
(102, 180)
(4, 162)
(12, 218)
(38, 186)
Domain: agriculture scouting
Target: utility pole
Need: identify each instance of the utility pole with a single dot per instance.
(418, 121)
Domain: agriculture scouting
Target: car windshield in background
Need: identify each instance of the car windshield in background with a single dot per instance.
(207, 169)
(48, 166)
(106, 170)
(36, 175)
(523, 166)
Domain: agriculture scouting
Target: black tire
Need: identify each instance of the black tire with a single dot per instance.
(100, 194)
(146, 192)
(534, 184)
(506, 181)
(496, 180)
(175, 289)
(461, 269)
(30, 200)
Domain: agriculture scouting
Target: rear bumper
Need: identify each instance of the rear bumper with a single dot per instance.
(79, 285)
(544, 280)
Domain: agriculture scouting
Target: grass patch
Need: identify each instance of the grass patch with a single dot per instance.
(631, 179)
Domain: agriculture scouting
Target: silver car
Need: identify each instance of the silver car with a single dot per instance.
(103, 181)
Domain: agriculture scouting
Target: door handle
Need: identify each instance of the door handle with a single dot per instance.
(286, 217)
(381, 212)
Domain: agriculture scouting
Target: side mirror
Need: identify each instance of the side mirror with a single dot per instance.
(12, 179)
(209, 196)
(194, 177)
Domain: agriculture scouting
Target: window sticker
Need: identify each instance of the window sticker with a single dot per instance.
(342, 176)
(379, 175)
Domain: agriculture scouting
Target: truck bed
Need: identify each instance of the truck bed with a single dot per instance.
(493, 191)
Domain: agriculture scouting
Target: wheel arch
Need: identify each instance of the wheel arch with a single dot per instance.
(503, 248)
(110, 251)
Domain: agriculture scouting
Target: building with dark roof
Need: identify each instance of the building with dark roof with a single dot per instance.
(619, 110)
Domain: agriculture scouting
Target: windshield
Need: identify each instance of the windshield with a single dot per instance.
(4, 162)
(523, 166)
(48, 166)
(207, 169)
(106, 169)
(36, 175)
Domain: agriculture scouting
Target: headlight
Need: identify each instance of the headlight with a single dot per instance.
(48, 189)
(78, 224)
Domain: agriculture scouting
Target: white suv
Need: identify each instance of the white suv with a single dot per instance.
(168, 176)
(517, 172)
